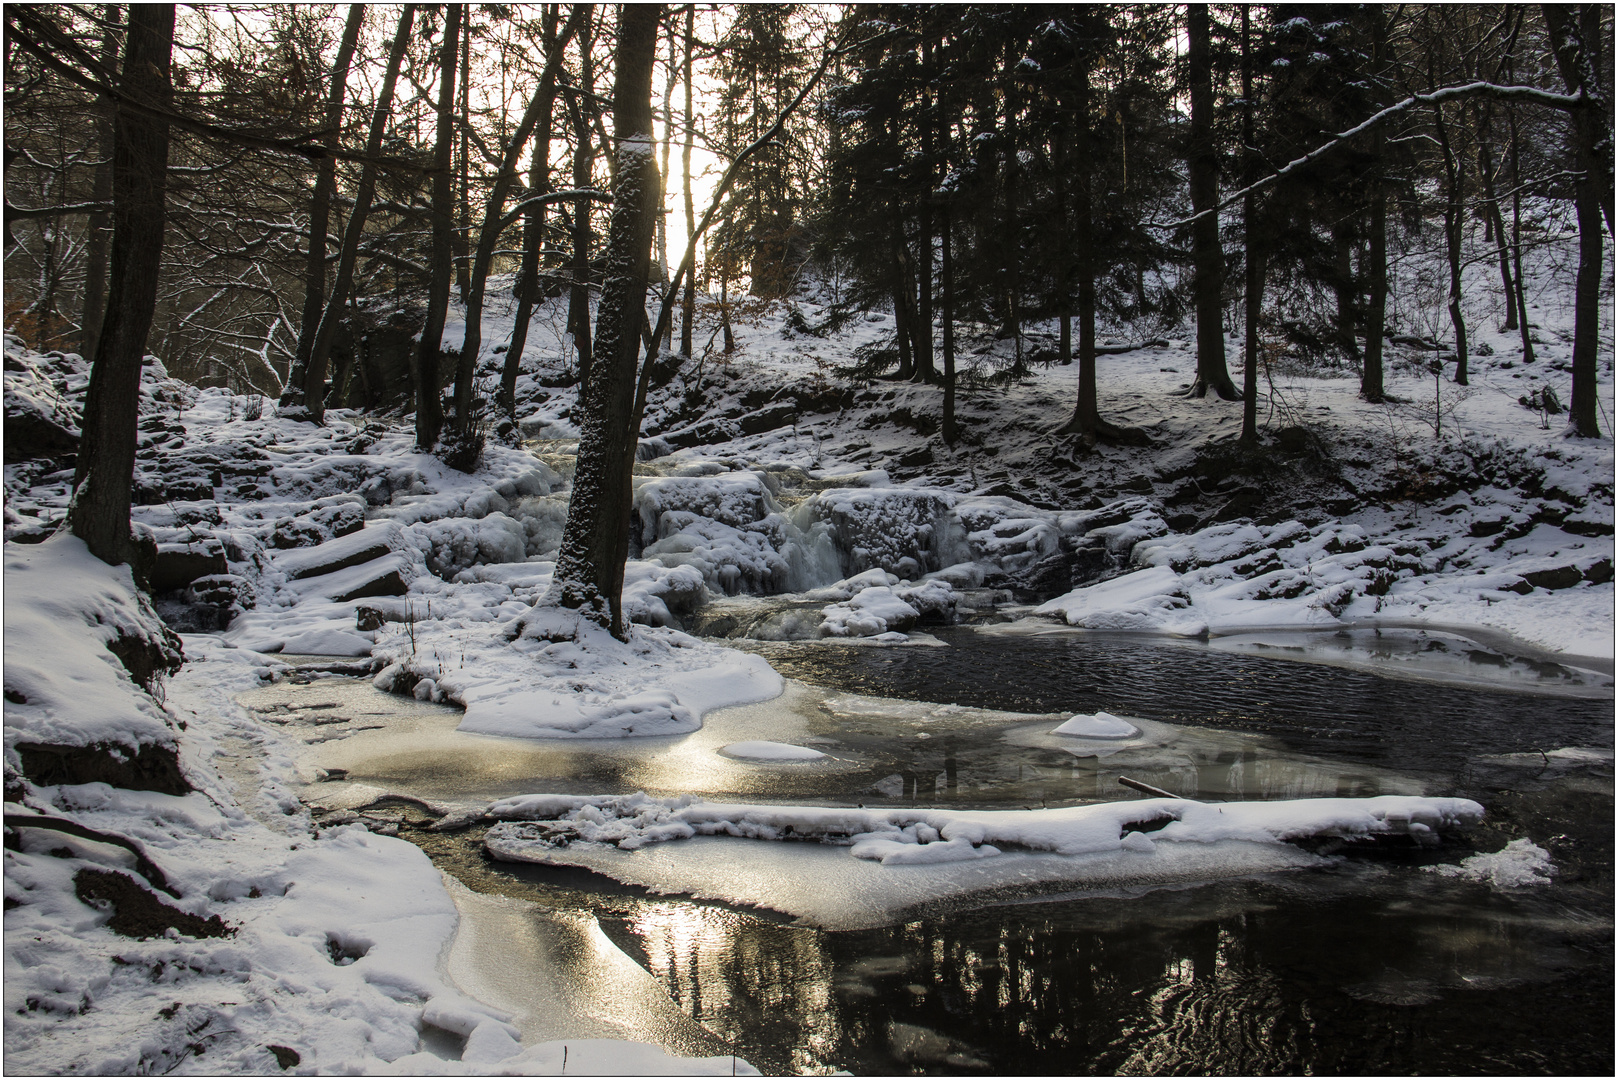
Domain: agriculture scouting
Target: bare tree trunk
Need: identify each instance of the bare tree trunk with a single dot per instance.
(1372, 387)
(1454, 221)
(539, 182)
(100, 225)
(903, 332)
(104, 472)
(1577, 46)
(489, 231)
(947, 275)
(1253, 293)
(923, 335)
(429, 409)
(1343, 285)
(724, 312)
(1086, 421)
(1496, 221)
(314, 273)
(463, 234)
(595, 542)
(690, 311)
(314, 386)
(1207, 257)
(578, 303)
(670, 77)
(1516, 247)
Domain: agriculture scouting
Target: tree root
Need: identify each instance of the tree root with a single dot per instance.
(143, 865)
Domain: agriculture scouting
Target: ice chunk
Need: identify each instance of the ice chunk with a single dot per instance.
(1101, 725)
(762, 750)
(1519, 863)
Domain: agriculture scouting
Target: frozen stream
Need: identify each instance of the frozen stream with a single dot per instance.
(1370, 966)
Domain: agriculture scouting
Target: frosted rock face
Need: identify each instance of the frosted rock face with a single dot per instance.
(455, 544)
(41, 402)
(734, 499)
(900, 530)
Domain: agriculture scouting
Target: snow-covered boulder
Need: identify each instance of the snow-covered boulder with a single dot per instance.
(82, 647)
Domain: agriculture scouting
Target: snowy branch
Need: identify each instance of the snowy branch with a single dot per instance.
(1531, 94)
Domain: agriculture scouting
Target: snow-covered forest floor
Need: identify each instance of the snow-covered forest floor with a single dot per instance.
(779, 497)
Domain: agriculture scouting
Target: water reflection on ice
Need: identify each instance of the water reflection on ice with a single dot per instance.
(1432, 655)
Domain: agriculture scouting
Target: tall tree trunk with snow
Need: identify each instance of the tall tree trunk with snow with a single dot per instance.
(690, 307)
(1372, 385)
(1579, 59)
(104, 472)
(429, 409)
(539, 183)
(923, 336)
(314, 272)
(1207, 257)
(1516, 244)
(463, 231)
(100, 224)
(578, 301)
(1454, 223)
(1491, 208)
(314, 384)
(489, 231)
(946, 273)
(595, 542)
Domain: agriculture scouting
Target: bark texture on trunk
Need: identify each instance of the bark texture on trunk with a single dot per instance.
(1253, 291)
(314, 272)
(595, 542)
(1372, 386)
(1578, 57)
(690, 307)
(314, 382)
(1454, 221)
(947, 282)
(1207, 257)
(105, 470)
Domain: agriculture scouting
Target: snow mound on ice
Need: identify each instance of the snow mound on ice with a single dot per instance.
(910, 858)
(1519, 863)
(763, 750)
(561, 676)
(1101, 725)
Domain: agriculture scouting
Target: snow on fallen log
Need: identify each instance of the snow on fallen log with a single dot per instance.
(1132, 346)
